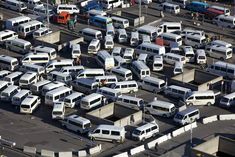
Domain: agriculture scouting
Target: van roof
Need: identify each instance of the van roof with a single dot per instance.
(10, 88)
(3, 83)
(125, 82)
(21, 41)
(4, 72)
(30, 54)
(59, 60)
(129, 97)
(96, 12)
(146, 126)
(58, 106)
(208, 92)
(174, 55)
(108, 90)
(91, 97)
(86, 81)
(30, 23)
(221, 48)
(221, 42)
(74, 95)
(19, 18)
(110, 127)
(168, 34)
(90, 30)
(78, 119)
(169, 4)
(153, 79)
(14, 74)
(229, 96)
(28, 75)
(73, 67)
(224, 64)
(196, 36)
(43, 48)
(140, 65)
(179, 88)
(147, 28)
(105, 77)
(121, 69)
(43, 82)
(229, 17)
(188, 110)
(29, 99)
(162, 103)
(59, 73)
(22, 93)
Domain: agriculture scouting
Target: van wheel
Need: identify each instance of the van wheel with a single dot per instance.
(209, 104)
(131, 91)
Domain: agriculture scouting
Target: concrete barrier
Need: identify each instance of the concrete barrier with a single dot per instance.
(194, 124)
(31, 150)
(95, 149)
(125, 154)
(47, 153)
(178, 132)
(82, 153)
(227, 117)
(137, 150)
(162, 139)
(209, 119)
(188, 127)
(152, 144)
(65, 154)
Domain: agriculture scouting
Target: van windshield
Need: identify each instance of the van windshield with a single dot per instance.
(123, 36)
(201, 57)
(88, 125)
(179, 116)
(25, 106)
(137, 132)
(57, 113)
(225, 100)
(15, 63)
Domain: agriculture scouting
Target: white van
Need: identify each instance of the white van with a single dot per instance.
(8, 63)
(41, 32)
(110, 30)
(188, 53)
(108, 133)
(225, 21)
(134, 40)
(6, 35)
(150, 49)
(128, 55)
(117, 51)
(19, 97)
(26, 29)
(9, 92)
(172, 58)
(125, 86)
(75, 51)
(157, 64)
(33, 68)
(90, 73)
(18, 45)
(85, 85)
(73, 99)
(200, 56)
(89, 34)
(108, 42)
(150, 31)
(13, 78)
(220, 43)
(122, 74)
(145, 131)
(130, 101)
(30, 104)
(58, 110)
(178, 68)
(145, 2)
(187, 116)
(224, 69)
(143, 57)
(119, 61)
(161, 108)
(44, 49)
(105, 59)
(105, 80)
(191, 31)
(169, 7)
(93, 100)
(119, 22)
(37, 87)
(177, 91)
(152, 84)
(3, 85)
(59, 76)
(72, 70)
(219, 52)
(77, 124)
(58, 64)
(4, 73)
(121, 35)
(51, 86)
(173, 40)
(94, 46)
(12, 23)
(194, 40)
(140, 69)
(27, 79)
(33, 3)
(35, 58)
(171, 26)
(201, 98)
(109, 93)
(15, 5)
(228, 100)
(71, 9)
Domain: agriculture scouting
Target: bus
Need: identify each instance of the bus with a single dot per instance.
(28, 28)
(108, 4)
(8, 62)
(13, 23)
(196, 6)
(100, 21)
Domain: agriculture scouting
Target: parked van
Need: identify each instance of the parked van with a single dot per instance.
(18, 45)
(90, 73)
(117, 51)
(188, 52)
(150, 49)
(77, 124)
(110, 30)
(72, 70)
(187, 116)
(220, 43)
(27, 29)
(27, 79)
(51, 86)
(89, 34)
(12, 23)
(171, 58)
(145, 2)
(120, 22)
(6, 35)
(170, 26)
(94, 46)
(222, 69)
(228, 100)
(150, 31)
(134, 40)
(152, 84)
(191, 31)
(201, 98)
(9, 92)
(71, 9)
(3, 85)
(8, 63)
(85, 85)
(173, 40)
(75, 51)
(145, 131)
(108, 133)
(225, 21)
(110, 94)
(59, 76)
(200, 56)
(143, 57)
(37, 87)
(122, 74)
(13, 78)
(128, 55)
(73, 99)
(58, 110)
(33, 68)
(125, 86)
(108, 43)
(4, 73)
(219, 52)
(58, 64)
(105, 59)
(157, 63)
(121, 36)
(177, 91)
(35, 58)
(41, 32)
(119, 61)
(140, 69)
(161, 108)
(44, 49)
(30, 104)
(178, 68)
(195, 40)
(15, 5)
(93, 100)
(33, 3)
(169, 7)
(19, 97)
(105, 80)
(130, 101)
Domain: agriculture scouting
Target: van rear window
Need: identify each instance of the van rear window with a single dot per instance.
(115, 133)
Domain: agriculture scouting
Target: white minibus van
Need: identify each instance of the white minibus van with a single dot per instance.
(119, 61)
(157, 64)
(8, 63)
(220, 43)
(173, 40)
(177, 91)
(58, 64)
(15, 5)
(12, 23)
(33, 68)
(41, 32)
(187, 116)
(93, 100)
(19, 97)
(128, 55)
(6, 35)
(194, 40)
(134, 40)
(201, 98)
(200, 56)
(3, 85)
(27, 79)
(191, 31)
(161, 108)
(77, 124)
(13, 78)
(219, 52)
(89, 34)
(75, 51)
(150, 31)
(228, 100)
(37, 87)
(142, 57)
(122, 74)
(119, 22)
(59, 76)
(108, 4)
(9, 92)
(71, 9)
(27, 29)
(105, 80)
(108, 133)
(169, 7)
(73, 99)
(170, 26)
(18, 45)
(90, 73)
(30, 104)
(130, 101)
(72, 70)
(44, 49)
(125, 86)
(225, 21)
(50, 86)
(58, 110)
(108, 42)
(109, 93)
(145, 131)
(33, 3)
(94, 46)
(35, 58)
(152, 84)
(121, 36)
(150, 48)
(140, 69)
(85, 85)
(172, 58)
(4, 73)
(110, 30)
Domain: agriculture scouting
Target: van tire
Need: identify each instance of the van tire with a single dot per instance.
(131, 91)
(209, 104)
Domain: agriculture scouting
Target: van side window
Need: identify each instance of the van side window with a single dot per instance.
(116, 133)
(97, 131)
(148, 130)
(105, 132)
(193, 114)
(154, 127)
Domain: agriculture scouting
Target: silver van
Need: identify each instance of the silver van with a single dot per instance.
(73, 99)
(9, 92)
(19, 97)
(187, 116)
